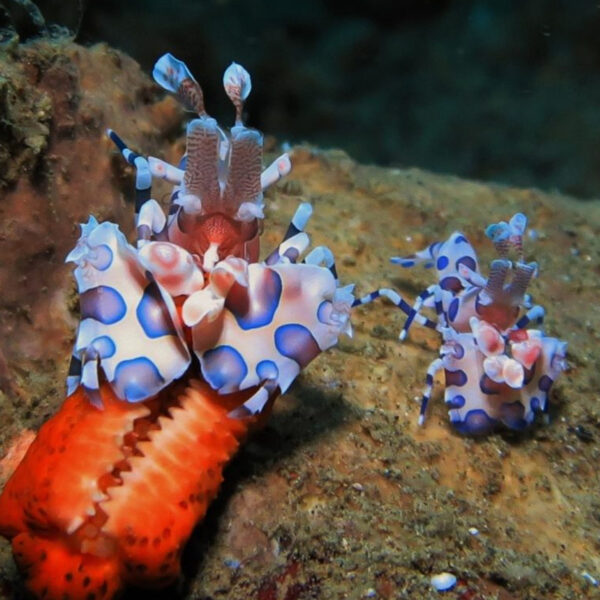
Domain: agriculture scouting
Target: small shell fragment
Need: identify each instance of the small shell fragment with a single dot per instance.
(443, 582)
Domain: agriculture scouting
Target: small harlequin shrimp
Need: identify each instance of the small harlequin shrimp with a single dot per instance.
(496, 370)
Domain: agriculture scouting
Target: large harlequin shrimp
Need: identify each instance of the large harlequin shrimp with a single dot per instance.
(496, 370)
(183, 345)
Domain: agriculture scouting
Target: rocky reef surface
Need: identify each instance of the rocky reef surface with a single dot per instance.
(342, 495)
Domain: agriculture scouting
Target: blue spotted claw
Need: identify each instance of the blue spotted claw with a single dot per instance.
(129, 328)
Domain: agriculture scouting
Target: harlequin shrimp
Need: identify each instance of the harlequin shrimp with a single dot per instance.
(497, 371)
(184, 343)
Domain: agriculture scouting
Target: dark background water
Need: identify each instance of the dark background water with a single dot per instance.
(504, 90)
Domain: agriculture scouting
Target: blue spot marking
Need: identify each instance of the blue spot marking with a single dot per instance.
(529, 373)
(459, 239)
(102, 303)
(224, 367)
(545, 383)
(104, 346)
(323, 311)
(511, 414)
(296, 342)
(451, 283)
(468, 261)
(442, 263)
(104, 257)
(536, 405)
(183, 162)
(453, 309)
(264, 302)
(476, 422)
(457, 378)
(457, 401)
(407, 264)
(137, 379)
(153, 315)
(267, 369)
(489, 386)
(459, 351)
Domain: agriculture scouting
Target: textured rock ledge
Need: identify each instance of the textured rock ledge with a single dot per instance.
(342, 495)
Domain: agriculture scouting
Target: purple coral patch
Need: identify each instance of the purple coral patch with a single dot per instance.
(102, 303)
(153, 314)
(296, 342)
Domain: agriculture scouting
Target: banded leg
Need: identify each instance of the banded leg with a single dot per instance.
(149, 217)
(89, 375)
(426, 256)
(322, 255)
(294, 236)
(434, 367)
(143, 176)
(535, 313)
(442, 322)
(472, 277)
(343, 298)
(74, 374)
(257, 403)
(398, 301)
(279, 168)
(163, 170)
(415, 310)
(150, 222)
